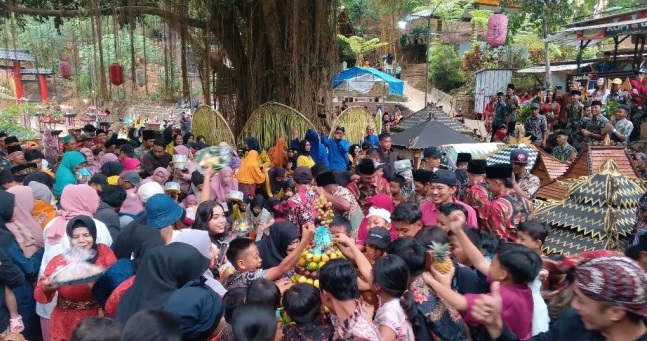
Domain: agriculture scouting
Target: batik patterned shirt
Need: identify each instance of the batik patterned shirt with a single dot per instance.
(444, 322)
(529, 184)
(563, 153)
(356, 328)
(505, 214)
(574, 112)
(537, 127)
(594, 126)
(479, 197)
(624, 127)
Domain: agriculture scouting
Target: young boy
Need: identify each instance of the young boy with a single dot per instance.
(244, 256)
(513, 266)
(396, 185)
(445, 211)
(532, 234)
(340, 225)
(302, 304)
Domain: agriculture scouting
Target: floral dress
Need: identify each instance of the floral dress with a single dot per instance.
(75, 303)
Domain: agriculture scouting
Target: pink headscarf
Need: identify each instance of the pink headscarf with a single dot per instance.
(24, 227)
(167, 175)
(132, 204)
(76, 200)
(108, 157)
(219, 191)
(181, 150)
(130, 163)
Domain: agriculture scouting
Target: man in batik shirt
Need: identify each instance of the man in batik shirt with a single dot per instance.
(564, 151)
(525, 184)
(620, 128)
(537, 126)
(574, 109)
(366, 187)
(478, 195)
(593, 130)
(508, 209)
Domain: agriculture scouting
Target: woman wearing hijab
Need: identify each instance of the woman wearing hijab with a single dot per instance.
(283, 238)
(92, 164)
(250, 173)
(131, 163)
(260, 217)
(183, 176)
(68, 172)
(76, 200)
(201, 242)
(317, 149)
(108, 157)
(23, 226)
(27, 266)
(160, 175)
(75, 302)
(275, 182)
(161, 272)
(197, 308)
(278, 154)
(305, 158)
(43, 211)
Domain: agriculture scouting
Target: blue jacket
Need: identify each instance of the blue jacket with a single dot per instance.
(373, 140)
(337, 153)
(25, 292)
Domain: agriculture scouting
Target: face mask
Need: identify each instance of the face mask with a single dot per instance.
(83, 172)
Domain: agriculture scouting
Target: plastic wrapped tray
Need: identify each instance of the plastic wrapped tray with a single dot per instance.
(215, 157)
(77, 281)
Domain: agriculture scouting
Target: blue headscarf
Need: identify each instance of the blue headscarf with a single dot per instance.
(317, 150)
(65, 172)
(197, 308)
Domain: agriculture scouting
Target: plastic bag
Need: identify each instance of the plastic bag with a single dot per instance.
(215, 157)
(78, 270)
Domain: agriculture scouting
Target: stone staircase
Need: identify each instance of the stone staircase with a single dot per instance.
(414, 74)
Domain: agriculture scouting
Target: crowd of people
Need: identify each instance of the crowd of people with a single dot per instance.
(565, 125)
(193, 254)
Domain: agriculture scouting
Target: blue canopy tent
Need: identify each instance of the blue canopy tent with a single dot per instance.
(363, 79)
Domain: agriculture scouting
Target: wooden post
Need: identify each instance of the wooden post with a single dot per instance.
(44, 97)
(17, 79)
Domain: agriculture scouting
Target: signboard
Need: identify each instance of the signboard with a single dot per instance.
(623, 28)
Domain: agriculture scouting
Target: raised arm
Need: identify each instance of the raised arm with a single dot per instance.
(275, 273)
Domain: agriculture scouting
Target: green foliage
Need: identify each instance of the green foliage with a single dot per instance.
(448, 10)
(479, 21)
(358, 45)
(445, 67)
(6, 93)
(10, 120)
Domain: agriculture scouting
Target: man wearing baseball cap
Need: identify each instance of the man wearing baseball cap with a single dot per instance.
(508, 208)
(524, 183)
(433, 157)
(616, 94)
(442, 190)
(610, 303)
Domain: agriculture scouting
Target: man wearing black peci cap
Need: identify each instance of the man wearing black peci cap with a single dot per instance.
(508, 209)
(343, 201)
(462, 159)
(592, 130)
(421, 185)
(366, 188)
(575, 108)
(478, 194)
(148, 138)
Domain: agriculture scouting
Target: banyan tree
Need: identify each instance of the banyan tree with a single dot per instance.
(254, 51)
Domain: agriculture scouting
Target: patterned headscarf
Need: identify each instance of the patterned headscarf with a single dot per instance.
(619, 280)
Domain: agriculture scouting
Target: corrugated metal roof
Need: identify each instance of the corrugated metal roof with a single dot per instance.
(611, 24)
(567, 38)
(553, 68)
(36, 71)
(19, 55)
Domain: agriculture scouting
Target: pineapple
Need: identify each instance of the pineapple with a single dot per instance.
(442, 263)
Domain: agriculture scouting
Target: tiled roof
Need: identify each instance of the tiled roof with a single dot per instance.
(19, 55)
(587, 163)
(422, 116)
(36, 71)
(548, 168)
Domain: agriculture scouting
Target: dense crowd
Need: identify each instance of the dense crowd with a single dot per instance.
(195, 253)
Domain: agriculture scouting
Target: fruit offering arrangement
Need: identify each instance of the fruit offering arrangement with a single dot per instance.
(324, 211)
(242, 227)
(214, 157)
(307, 270)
